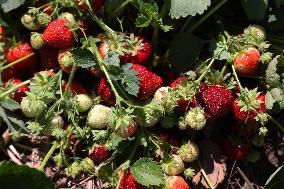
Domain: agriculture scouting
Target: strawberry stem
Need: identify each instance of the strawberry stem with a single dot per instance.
(70, 79)
(281, 127)
(16, 61)
(223, 70)
(206, 71)
(48, 155)
(121, 6)
(205, 175)
(102, 24)
(14, 88)
(237, 78)
(207, 15)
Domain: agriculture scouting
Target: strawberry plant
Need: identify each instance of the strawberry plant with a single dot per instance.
(173, 94)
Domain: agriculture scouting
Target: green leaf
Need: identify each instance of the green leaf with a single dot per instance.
(8, 5)
(183, 8)
(83, 57)
(254, 13)
(148, 13)
(276, 181)
(184, 50)
(22, 177)
(130, 81)
(147, 172)
(10, 104)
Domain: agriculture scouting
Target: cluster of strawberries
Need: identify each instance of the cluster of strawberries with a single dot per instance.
(196, 102)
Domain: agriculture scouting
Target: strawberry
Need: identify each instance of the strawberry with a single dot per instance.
(75, 88)
(36, 40)
(149, 82)
(30, 22)
(105, 92)
(99, 154)
(160, 95)
(103, 49)
(11, 73)
(128, 181)
(58, 34)
(97, 5)
(98, 117)
(127, 130)
(195, 118)
(217, 100)
(32, 106)
(83, 102)
(173, 166)
(249, 106)
(48, 57)
(235, 152)
(246, 63)
(57, 122)
(175, 182)
(21, 92)
(140, 50)
(257, 32)
(19, 51)
(188, 152)
(2, 30)
(65, 60)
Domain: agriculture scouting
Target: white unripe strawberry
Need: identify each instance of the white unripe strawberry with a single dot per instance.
(83, 102)
(174, 167)
(188, 152)
(195, 118)
(98, 117)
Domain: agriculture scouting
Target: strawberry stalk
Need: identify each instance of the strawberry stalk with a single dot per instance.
(206, 71)
(205, 175)
(48, 155)
(121, 6)
(14, 88)
(207, 15)
(281, 127)
(237, 78)
(16, 61)
(70, 79)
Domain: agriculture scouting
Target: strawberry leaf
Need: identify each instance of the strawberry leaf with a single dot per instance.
(149, 13)
(275, 180)
(8, 5)
(130, 80)
(147, 172)
(252, 12)
(10, 172)
(183, 8)
(10, 104)
(83, 57)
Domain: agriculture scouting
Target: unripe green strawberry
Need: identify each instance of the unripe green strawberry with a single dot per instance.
(83, 102)
(32, 107)
(195, 118)
(66, 60)
(153, 113)
(43, 19)
(188, 152)
(98, 117)
(36, 40)
(160, 94)
(30, 22)
(174, 167)
(87, 165)
(69, 18)
(57, 122)
(257, 32)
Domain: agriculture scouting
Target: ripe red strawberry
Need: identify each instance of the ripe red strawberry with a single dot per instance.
(99, 154)
(103, 49)
(75, 88)
(97, 5)
(149, 82)
(141, 51)
(249, 116)
(19, 51)
(58, 34)
(246, 63)
(11, 73)
(235, 152)
(105, 92)
(217, 100)
(176, 182)
(20, 92)
(48, 58)
(128, 182)
(2, 30)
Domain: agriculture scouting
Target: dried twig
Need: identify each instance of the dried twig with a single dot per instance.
(205, 176)
(245, 178)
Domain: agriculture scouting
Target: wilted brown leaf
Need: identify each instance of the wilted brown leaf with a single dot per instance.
(213, 163)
